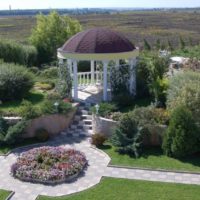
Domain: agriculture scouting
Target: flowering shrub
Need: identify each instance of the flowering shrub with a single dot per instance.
(48, 165)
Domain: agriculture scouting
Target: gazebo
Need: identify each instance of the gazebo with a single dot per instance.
(98, 45)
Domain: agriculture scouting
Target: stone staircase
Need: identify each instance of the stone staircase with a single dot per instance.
(82, 123)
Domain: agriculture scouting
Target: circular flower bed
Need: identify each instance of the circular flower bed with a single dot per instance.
(49, 165)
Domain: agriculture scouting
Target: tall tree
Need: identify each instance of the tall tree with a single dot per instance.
(50, 33)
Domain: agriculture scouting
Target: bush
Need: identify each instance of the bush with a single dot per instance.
(150, 116)
(45, 85)
(14, 132)
(105, 109)
(15, 82)
(13, 52)
(143, 73)
(50, 73)
(123, 99)
(49, 107)
(34, 70)
(42, 135)
(184, 90)
(127, 137)
(28, 111)
(3, 129)
(182, 137)
(98, 139)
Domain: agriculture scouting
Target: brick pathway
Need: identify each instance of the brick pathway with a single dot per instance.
(77, 137)
(98, 162)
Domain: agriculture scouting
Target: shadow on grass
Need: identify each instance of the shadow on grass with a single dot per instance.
(33, 97)
(154, 154)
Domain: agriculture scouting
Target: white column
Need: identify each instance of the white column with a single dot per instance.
(69, 63)
(117, 63)
(92, 71)
(105, 81)
(132, 86)
(60, 61)
(75, 79)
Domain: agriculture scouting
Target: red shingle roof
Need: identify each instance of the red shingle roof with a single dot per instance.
(98, 40)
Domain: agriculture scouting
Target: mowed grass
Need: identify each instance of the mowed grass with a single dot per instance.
(124, 189)
(153, 158)
(4, 194)
(35, 97)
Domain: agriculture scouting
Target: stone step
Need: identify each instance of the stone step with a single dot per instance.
(82, 112)
(87, 121)
(88, 117)
(84, 127)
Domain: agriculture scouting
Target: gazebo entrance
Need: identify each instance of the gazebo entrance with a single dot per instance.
(104, 49)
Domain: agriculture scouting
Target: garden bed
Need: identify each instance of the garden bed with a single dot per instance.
(49, 165)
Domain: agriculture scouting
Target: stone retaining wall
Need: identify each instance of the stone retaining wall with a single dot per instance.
(107, 126)
(103, 126)
(54, 124)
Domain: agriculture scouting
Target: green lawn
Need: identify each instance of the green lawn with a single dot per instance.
(35, 97)
(6, 148)
(4, 194)
(124, 189)
(153, 158)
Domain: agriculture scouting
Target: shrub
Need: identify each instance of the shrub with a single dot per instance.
(64, 83)
(184, 90)
(3, 129)
(105, 109)
(28, 110)
(48, 107)
(150, 116)
(143, 73)
(182, 137)
(15, 82)
(116, 116)
(123, 99)
(13, 52)
(50, 73)
(157, 83)
(127, 137)
(120, 82)
(54, 96)
(98, 139)
(45, 85)
(15, 131)
(42, 135)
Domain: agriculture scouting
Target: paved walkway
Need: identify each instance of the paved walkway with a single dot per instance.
(98, 162)
(98, 166)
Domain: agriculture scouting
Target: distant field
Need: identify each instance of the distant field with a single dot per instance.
(135, 25)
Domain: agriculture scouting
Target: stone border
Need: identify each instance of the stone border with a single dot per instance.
(10, 195)
(53, 183)
(151, 169)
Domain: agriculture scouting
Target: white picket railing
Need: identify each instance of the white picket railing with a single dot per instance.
(85, 78)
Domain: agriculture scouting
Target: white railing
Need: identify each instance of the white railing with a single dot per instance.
(86, 78)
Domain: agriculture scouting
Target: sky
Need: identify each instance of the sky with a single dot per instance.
(35, 4)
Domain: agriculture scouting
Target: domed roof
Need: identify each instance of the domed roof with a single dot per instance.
(97, 40)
